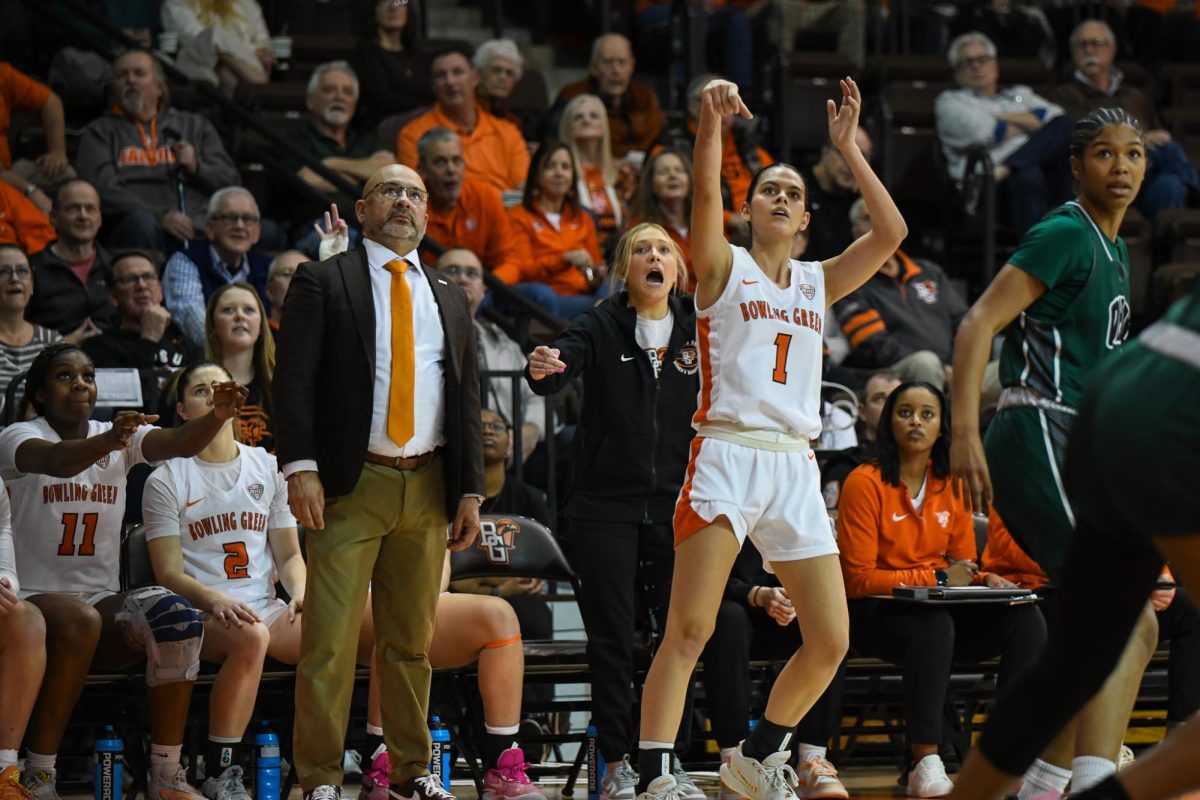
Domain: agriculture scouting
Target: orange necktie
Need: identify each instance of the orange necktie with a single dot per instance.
(404, 370)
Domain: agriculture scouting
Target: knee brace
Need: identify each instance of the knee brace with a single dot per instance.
(169, 629)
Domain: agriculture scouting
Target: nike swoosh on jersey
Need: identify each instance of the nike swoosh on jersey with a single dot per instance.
(627, 358)
(897, 518)
(748, 283)
(191, 503)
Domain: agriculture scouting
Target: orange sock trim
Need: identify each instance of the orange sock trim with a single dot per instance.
(502, 642)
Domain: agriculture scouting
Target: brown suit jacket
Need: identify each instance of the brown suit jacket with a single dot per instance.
(325, 377)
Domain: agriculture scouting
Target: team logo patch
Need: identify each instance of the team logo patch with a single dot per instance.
(255, 490)
(927, 291)
(688, 360)
(808, 290)
(943, 518)
(497, 538)
(104, 461)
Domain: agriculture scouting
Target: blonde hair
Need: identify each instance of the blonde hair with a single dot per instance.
(264, 346)
(608, 167)
(623, 254)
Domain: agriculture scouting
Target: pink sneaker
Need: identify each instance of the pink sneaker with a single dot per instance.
(375, 777)
(508, 780)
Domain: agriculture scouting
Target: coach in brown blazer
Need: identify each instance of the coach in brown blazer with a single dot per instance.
(378, 433)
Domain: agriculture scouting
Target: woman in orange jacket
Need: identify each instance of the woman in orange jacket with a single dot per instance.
(556, 239)
(900, 524)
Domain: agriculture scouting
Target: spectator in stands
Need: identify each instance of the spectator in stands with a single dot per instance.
(742, 633)
(146, 336)
(1098, 83)
(393, 70)
(725, 22)
(831, 191)
(224, 254)
(900, 523)
(140, 154)
(69, 292)
(495, 150)
(279, 278)
(556, 239)
(240, 38)
(1019, 29)
(496, 351)
(22, 223)
(845, 19)
(840, 463)
(584, 127)
(1024, 134)
(741, 156)
(664, 197)
(1178, 619)
(464, 212)
(330, 138)
(238, 338)
(636, 353)
(903, 318)
(20, 340)
(635, 119)
(500, 66)
(18, 92)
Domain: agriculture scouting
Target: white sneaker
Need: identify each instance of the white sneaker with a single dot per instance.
(772, 779)
(1125, 758)
(171, 784)
(40, 783)
(226, 786)
(817, 778)
(684, 785)
(620, 783)
(928, 778)
(663, 787)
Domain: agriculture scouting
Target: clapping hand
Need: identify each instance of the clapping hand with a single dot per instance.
(775, 601)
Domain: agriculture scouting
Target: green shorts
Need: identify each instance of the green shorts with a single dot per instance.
(1025, 450)
(1134, 464)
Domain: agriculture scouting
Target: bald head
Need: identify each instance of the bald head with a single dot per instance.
(612, 64)
(388, 211)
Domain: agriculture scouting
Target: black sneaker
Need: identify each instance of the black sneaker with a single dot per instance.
(426, 787)
(326, 791)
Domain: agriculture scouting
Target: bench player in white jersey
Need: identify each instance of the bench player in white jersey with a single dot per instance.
(22, 660)
(219, 530)
(65, 476)
(752, 473)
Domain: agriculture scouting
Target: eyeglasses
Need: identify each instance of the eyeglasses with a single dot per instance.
(234, 219)
(148, 278)
(392, 192)
(495, 427)
(1084, 44)
(454, 270)
(21, 273)
(976, 61)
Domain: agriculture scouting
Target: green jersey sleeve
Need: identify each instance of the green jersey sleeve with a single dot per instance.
(1058, 252)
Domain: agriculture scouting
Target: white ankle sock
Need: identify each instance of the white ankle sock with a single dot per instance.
(38, 761)
(1042, 777)
(8, 758)
(805, 751)
(1087, 771)
(502, 730)
(374, 730)
(165, 758)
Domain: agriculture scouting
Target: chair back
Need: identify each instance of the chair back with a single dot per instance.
(511, 546)
(137, 570)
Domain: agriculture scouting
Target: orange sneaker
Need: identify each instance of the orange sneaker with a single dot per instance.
(10, 785)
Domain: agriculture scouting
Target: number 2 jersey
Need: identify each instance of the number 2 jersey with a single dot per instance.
(221, 514)
(760, 352)
(67, 531)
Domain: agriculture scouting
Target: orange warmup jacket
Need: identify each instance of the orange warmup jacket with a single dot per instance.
(494, 149)
(478, 223)
(885, 541)
(23, 223)
(540, 247)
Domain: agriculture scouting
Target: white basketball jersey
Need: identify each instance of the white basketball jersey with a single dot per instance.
(221, 514)
(67, 531)
(760, 351)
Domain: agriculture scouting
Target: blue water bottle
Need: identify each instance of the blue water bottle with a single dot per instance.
(595, 762)
(440, 763)
(110, 765)
(266, 764)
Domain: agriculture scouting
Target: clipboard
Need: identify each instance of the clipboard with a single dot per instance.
(961, 594)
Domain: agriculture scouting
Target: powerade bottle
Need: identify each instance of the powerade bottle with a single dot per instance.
(595, 762)
(440, 763)
(266, 764)
(110, 765)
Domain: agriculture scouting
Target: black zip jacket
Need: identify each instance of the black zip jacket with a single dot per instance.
(632, 444)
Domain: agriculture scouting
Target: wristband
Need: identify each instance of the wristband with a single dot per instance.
(754, 596)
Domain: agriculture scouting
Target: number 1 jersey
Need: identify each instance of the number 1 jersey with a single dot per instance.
(67, 531)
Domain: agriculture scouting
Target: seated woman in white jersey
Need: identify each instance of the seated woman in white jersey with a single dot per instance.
(65, 477)
(219, 530)
(22, 658)
(752, 472)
